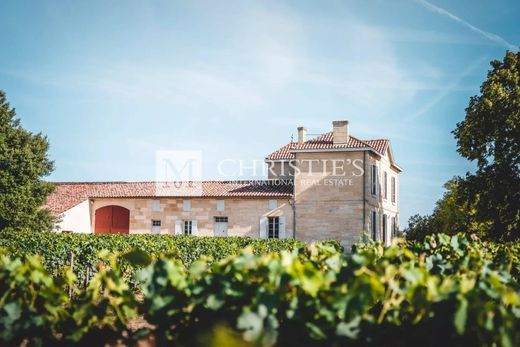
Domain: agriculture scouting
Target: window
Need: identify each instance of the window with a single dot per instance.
(188, 227)
(220, 205)
(221, 219)
(156, 205)
(374, 225)
(156, 226)
(272, 204)
(385, 185)
(273, 230)
(186, 205)
(394, 231)
(385, 236)
(374, 180)
(393, 190)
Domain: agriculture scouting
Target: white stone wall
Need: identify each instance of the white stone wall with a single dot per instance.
(76, 219)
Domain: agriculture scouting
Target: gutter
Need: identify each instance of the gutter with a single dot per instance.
(292, 203)
(346, 149)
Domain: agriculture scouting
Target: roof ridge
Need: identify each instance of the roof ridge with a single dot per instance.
(319, 136)
(362, 141)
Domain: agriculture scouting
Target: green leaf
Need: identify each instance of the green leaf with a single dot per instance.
(350, 329)
(137, 258)
(251, 324)
(461, 316)
(13, 310)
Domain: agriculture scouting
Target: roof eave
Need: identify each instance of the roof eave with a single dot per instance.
(277, 160)
(281, 195)
(397, 167)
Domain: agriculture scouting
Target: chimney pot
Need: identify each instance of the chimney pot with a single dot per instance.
(302, 135)
(340, 132)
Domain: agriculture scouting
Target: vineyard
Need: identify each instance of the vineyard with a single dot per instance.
(457, 291)
(79, 252)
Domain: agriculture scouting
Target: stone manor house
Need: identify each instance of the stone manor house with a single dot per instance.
(331, 186)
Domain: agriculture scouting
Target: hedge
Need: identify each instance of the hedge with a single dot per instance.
(453, 291)
(56, 249)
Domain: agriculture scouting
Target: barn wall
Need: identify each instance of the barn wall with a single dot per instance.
(76, 219)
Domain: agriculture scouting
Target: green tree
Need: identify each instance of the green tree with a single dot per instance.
(490, 135)
(23, 165)
(451, 215)
(419, 227)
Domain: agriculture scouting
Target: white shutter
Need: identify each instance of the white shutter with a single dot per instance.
(178, 230)
(194, 229)
(156, 205)
(263, 227)
(282, 227)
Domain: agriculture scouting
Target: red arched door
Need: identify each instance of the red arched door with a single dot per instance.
(112, 220)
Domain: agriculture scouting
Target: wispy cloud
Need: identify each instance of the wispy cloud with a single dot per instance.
(365, 81)
(447, 89)
(489, 36)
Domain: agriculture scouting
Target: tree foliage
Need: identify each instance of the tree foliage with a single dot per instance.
(490, 135)
(486, 202)
(450, 216)
(24, 163)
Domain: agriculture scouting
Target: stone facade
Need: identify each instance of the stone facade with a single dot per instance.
(334, 200)
(243, 215)
(329, 205)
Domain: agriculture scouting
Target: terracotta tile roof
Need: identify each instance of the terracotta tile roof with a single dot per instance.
(66, 196)
(69, 194)
(325, 142)
(379, 145)
(283, 152)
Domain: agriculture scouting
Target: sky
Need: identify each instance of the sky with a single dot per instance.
(112, 82)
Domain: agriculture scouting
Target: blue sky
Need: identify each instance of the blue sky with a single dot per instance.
(112, 82)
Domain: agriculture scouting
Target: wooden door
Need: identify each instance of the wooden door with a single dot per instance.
(103, 220)
(112, 220)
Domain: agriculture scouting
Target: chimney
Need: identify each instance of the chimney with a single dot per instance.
(302, 134)
(340, 131)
